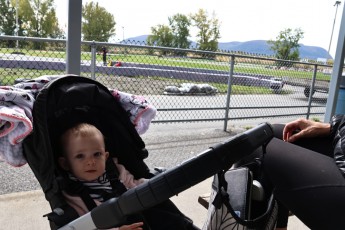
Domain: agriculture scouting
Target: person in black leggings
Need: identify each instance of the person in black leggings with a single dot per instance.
(299, 165)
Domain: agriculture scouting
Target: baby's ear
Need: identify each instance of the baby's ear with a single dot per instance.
(106, 155)
(63, 163)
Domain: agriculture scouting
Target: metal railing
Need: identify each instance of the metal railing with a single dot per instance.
(185, 85)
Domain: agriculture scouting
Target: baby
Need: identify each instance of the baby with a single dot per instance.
(84, 157)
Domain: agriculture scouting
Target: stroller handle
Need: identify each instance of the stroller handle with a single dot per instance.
(175, 180)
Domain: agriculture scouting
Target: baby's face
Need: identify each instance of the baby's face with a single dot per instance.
(86, 156)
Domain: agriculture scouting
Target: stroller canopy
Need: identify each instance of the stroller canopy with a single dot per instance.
(65, 102)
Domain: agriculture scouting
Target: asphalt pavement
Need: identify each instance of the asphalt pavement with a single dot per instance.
(22, 202)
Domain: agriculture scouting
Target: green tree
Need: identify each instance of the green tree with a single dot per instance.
(7, 18)
(161, 35)
(39, 20)
(179, 25)
(97, 23)
(208, 30)
(7, 21)
(286, 44)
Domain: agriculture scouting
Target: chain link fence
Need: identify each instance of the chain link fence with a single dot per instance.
(184, 85)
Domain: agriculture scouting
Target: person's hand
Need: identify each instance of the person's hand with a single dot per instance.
(303, 128)
(137, 226)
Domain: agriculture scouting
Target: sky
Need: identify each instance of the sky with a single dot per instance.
(240, 20)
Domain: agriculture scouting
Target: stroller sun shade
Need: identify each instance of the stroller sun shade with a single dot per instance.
(69, 100)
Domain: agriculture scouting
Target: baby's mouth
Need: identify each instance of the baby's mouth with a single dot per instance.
(91, 171)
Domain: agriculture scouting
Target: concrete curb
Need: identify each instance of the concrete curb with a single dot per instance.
(24, 210)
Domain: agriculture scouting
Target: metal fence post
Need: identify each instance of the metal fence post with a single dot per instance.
(93, 60)
(231, 72)
(311, 92)
(73, 43)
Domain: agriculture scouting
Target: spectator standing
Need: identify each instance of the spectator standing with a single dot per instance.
(104, 53)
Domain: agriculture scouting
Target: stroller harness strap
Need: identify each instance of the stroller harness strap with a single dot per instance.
(77, 188)
(113, 176)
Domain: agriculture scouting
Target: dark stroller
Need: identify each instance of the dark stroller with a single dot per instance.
(63, 103)
(69, 100)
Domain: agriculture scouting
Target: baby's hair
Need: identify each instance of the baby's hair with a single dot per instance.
(82, 130)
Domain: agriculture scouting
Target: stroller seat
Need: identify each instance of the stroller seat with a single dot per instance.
(63, 103)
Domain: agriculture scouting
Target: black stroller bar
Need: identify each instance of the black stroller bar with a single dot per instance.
(112, 213)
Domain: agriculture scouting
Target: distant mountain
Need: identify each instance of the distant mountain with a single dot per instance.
(141, 38)
(261, 47)
(258, 47)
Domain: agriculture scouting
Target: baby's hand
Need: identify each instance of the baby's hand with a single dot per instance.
(132, 226)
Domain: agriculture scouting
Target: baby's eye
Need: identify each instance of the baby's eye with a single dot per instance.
(97, 154)
(79, 156)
